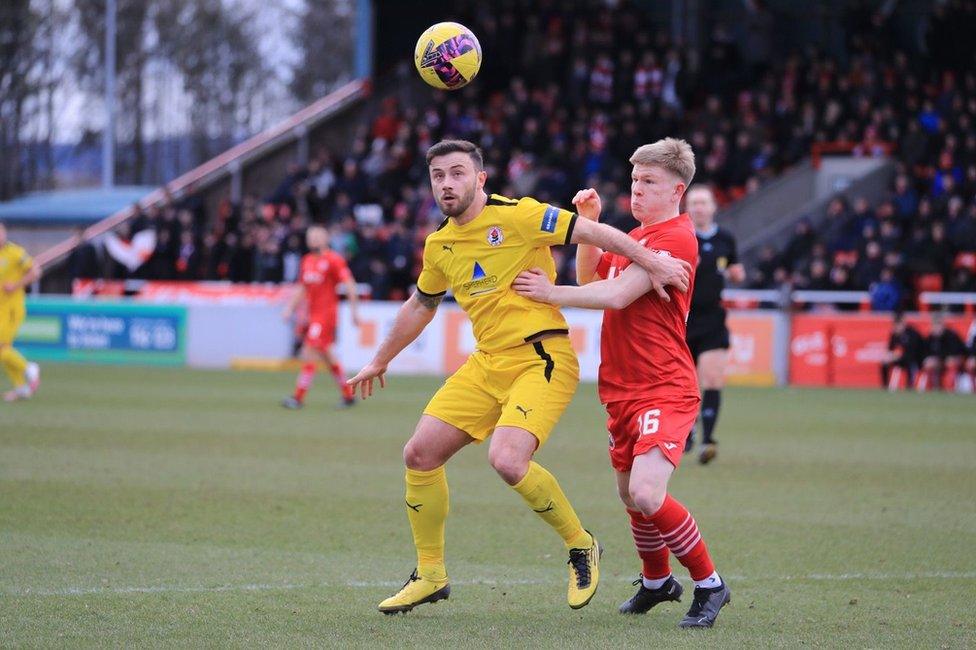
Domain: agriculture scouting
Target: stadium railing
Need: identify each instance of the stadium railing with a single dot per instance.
(860, 298)
(928, 299)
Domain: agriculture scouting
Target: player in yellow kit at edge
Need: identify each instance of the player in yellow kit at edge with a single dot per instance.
(17, 270)
(520, 378)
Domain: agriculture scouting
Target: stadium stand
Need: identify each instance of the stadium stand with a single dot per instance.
(573, 120)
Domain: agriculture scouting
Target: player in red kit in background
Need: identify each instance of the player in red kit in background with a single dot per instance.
(322, 271)
(647, 376)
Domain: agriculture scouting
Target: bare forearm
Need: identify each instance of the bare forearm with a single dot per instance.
(352, 293)
(610, 239)
(296, 298)
(602, 294)
(587, 260)
(413, 317)
(33, 275)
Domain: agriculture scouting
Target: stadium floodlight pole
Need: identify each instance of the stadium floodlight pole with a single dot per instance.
(108, 135)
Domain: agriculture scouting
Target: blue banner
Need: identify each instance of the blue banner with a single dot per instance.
(57, 329)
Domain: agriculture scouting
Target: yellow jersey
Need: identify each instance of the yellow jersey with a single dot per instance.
(479, 261)
(14, 263)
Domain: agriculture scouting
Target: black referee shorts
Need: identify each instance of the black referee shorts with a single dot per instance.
(707, 331)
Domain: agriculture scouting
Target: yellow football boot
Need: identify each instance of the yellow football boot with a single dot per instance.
(416, 591)
(584, 573)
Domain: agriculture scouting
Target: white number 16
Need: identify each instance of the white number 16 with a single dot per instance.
(648, 422)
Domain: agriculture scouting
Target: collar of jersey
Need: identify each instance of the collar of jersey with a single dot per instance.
(707, 234)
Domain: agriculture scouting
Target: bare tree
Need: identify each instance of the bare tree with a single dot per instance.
(18, 88)
(325, 38)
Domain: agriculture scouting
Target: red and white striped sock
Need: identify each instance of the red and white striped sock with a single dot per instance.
(680, 532)
(340, 379)
(651, 549)
(304, 381)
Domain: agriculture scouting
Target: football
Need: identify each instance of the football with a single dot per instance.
(447, 56)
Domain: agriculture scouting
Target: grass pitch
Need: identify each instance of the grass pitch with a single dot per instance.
(149, 507)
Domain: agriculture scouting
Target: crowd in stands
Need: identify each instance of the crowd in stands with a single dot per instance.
(561, 105)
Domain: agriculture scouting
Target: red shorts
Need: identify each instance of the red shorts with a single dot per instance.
(637, 426)
(321, 333)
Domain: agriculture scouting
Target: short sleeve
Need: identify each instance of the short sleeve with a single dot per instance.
(432, 281)
(544, 225)
(603, 266)
(341, 269)
(677, 244)
(733, 251)
(25, 261)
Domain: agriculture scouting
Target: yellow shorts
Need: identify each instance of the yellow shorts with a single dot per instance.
(528, 386)
(11, 316)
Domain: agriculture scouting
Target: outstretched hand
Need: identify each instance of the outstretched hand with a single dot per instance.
(363, 382)
(533, 284)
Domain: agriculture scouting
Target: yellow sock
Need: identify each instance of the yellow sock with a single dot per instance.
(541, 491)
(427, 507)
(14, 364)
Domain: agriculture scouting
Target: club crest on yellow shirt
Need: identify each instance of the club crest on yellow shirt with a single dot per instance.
(495, 236)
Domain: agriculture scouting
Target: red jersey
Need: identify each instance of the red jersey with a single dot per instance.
(642, 347)
(320, 273)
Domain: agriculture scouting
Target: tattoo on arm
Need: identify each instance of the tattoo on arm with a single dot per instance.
(430, 302)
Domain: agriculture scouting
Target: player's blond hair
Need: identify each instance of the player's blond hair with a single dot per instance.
(672, 154)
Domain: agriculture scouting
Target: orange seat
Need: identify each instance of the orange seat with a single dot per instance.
(965, 260)
(928, 282)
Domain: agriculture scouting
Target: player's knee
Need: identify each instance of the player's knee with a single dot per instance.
(647, 497)
(416, 457)
(509, 464)
(712, 381)
(623, 492)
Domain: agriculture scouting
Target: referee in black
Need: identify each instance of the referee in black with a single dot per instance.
(708, 336)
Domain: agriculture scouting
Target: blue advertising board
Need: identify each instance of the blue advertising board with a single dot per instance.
(58, 329)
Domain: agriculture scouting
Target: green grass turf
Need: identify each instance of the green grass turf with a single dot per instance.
(147, 507)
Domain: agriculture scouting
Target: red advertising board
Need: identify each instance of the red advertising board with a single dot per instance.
(846, 350)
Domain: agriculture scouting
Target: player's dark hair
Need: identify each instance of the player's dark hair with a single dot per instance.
(445, 147)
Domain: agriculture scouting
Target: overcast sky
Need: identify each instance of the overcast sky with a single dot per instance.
(75, 111)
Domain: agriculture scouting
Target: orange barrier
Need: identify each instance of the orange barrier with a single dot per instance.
(751, 354)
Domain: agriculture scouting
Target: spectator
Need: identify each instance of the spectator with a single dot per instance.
(904, 355)
(943, 354)
(886, 292)
(187, 263)
(83, 261)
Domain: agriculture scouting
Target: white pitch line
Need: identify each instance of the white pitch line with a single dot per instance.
(176, 589)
